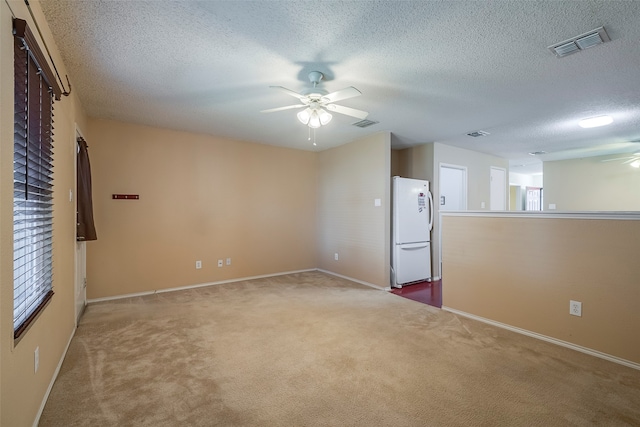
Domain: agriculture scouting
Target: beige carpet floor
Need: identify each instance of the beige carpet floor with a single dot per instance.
(311, 349)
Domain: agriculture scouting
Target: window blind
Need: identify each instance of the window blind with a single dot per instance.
(32, 180)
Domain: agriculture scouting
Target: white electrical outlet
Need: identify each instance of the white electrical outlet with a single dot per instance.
(575, 308)
(36, 359)
(198, 265)
(335, 256)
(228, 261)
(219, 263)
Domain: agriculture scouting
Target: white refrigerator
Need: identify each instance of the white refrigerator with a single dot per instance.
(412, 221)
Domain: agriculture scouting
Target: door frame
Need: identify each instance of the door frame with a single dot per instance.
(465, 197)
(505, 199)
(80, 253)
(464, 182)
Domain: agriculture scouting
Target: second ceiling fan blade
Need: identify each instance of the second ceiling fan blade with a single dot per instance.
(616, 159)
(339, 95)
(288, 107)
(289, 92)
(348, 111)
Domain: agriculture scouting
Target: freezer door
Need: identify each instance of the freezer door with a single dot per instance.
(412, 262)
(411, 210)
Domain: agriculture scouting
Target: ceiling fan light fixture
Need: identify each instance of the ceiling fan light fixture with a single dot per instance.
(325, 117)
(304, 116)
(593, 122)
(314, 120)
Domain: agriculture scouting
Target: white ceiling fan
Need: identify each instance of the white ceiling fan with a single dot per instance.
(319, 102)
(632, 160)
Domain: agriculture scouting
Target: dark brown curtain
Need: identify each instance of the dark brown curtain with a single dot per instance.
(86, 229)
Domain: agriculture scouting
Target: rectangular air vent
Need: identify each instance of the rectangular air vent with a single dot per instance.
(365, 123)
(566, 49)
(478, 133)
(581, 42)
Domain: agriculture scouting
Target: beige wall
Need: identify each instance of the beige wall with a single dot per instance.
(415, 162)
(201, 198)
(523, 271)
(351, 177)
(590, 184)
(22, 390)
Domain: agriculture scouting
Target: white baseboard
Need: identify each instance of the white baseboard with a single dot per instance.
(552, 340)
(362, 282)
(53, 380)
(199, 285)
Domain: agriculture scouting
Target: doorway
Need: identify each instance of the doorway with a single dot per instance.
(534, 199)
(498, 189)
(80, 256)
(453, 188)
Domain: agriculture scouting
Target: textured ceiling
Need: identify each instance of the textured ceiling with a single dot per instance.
(428, 70)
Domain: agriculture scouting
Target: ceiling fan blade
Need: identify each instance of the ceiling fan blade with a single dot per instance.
(613, 160)
(288, 107)
(347, 110)
(289, 92)
(347, 93)
(631, 160)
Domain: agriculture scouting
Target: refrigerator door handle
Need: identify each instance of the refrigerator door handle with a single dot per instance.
(430, 211)
(408, 246)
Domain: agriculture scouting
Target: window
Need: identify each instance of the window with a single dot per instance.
(35, 89)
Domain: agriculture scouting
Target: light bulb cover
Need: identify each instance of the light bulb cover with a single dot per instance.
(304, 116)
(325, 117)
(314, 120)
(593, 122)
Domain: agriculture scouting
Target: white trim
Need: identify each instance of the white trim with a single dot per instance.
(200, 285)
(546, 338)
(362, 282)
(547, 214)
(53, 380)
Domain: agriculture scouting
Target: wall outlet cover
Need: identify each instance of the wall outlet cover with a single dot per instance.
(575, 308)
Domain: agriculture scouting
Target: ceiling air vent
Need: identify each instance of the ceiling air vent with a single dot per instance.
(581, 42)
(365, 123)
(478, 133)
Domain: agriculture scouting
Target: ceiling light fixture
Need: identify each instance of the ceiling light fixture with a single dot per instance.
(594, 122)
(635, 164)
(314, 116)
